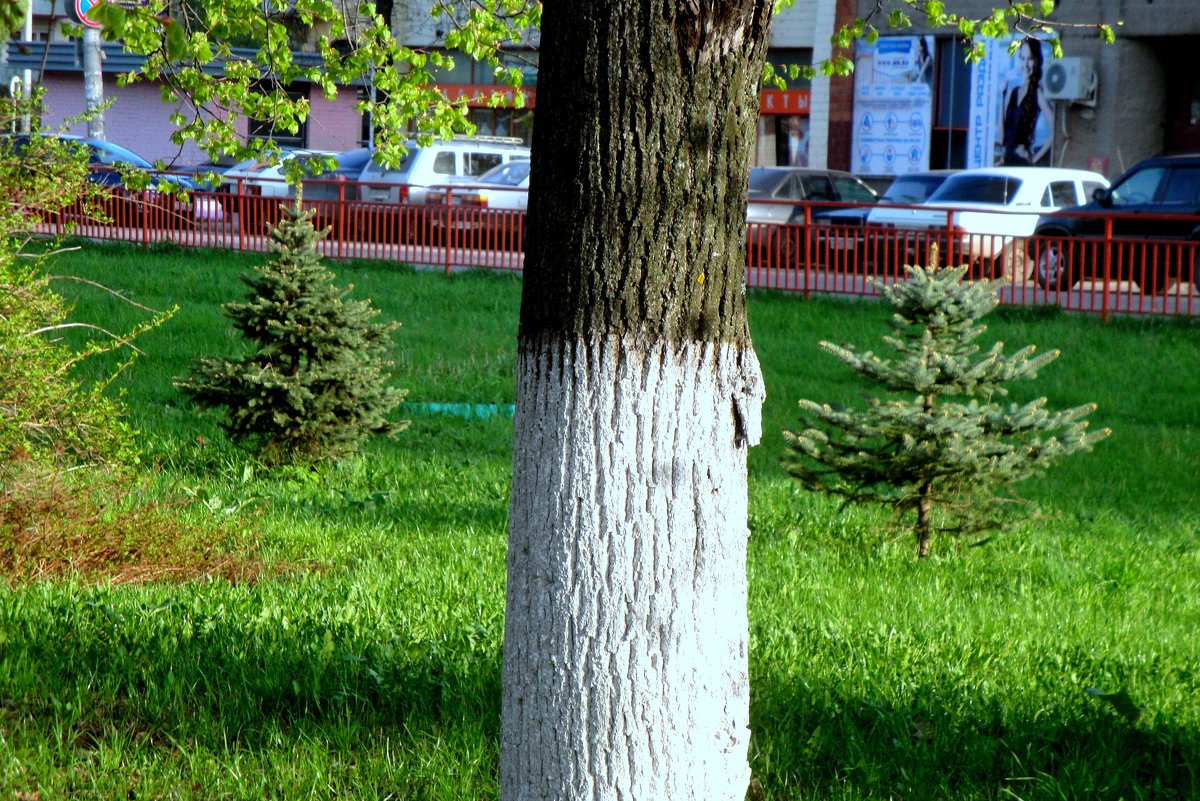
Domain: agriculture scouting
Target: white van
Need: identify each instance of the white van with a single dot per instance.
(442, 162)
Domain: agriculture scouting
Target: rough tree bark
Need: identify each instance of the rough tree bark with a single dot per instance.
(625, 657)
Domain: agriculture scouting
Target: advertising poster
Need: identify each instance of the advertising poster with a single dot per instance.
(893, 105)
(1012, 122)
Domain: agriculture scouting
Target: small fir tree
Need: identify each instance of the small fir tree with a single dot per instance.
(937, 444)
(314, 385)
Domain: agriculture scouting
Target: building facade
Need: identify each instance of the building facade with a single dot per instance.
(138, 119)
(802, 123)
(919, 104)
(913, 102)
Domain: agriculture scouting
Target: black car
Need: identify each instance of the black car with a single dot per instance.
(847, 233)
(909, 189)
(1152, 214)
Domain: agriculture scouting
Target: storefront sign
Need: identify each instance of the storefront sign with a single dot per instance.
(784, 101)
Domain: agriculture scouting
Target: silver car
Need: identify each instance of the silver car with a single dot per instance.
(779, 196)
(442, 162)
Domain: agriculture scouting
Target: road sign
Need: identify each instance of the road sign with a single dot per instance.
(78, 10)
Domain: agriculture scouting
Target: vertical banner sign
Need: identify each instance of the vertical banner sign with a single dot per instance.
(1005, 127)
(77, 10)
(893, 103)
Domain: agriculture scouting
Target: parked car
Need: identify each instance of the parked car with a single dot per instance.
(108, 162)
(983, 216)
(1154, 214)
(846, 232)
(443, 161)
(492, 207)
(265, 176)
(320, 185)
(333, 196)
(397, 194)
(776, 198)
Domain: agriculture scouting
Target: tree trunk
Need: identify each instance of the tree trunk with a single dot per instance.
(625, 663)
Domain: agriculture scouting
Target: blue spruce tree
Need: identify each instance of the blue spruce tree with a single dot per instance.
(938, 446)
(315, 383)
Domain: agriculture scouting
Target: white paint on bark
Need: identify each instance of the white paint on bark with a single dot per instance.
(626, 630)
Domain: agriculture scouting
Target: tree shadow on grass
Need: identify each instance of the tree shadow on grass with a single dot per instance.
(237, 671)
(815, 742)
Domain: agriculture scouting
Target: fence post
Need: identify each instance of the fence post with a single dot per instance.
(240, 205)
(950, 258)
(1107, 268)
(145, 218)
(340, 230)
(447, 232)
(807, 249)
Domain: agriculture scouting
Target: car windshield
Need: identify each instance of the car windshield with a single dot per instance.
(996, 189)
(403, 166)
(352, 161)
(1138, 188)
(913, 188)
(510, 174)
(115, 155)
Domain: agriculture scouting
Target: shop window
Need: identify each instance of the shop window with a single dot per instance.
(952, 107)
(782, 60)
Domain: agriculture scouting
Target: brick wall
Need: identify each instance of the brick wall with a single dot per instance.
(140, 121)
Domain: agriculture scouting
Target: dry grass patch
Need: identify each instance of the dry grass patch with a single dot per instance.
(98, 526)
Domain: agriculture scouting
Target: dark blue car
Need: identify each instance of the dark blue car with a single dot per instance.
(108, 165)
(1144, 229)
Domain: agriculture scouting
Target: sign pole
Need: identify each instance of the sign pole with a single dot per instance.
(93, 82)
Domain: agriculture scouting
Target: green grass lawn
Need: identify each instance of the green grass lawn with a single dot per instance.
(1058, 660)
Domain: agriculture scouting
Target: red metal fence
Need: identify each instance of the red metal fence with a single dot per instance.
(1103, 274)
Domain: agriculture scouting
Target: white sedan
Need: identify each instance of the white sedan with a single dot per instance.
(491, 206)
(983, 216)
(264, 176)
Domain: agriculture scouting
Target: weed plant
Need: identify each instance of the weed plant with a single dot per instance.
(1058, 661)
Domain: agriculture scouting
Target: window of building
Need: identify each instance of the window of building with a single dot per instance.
(266, 129)
(783, 59)
(951, 107)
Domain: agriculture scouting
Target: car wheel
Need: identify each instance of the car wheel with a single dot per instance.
(1013, 264)
(1052, 268)
(788, 250)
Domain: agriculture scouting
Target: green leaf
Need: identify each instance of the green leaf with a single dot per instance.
(175, 41)
(111, 16)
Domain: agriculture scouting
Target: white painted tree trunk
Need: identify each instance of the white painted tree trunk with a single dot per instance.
(626, 632)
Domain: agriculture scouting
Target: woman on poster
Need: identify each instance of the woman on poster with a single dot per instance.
(1024, 106)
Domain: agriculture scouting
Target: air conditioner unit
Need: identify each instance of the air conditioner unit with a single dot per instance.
(1070, 78)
